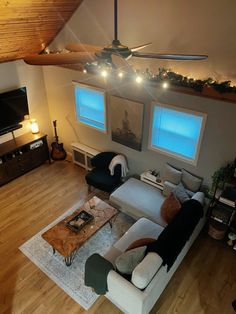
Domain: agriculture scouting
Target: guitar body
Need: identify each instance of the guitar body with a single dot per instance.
(58, 152)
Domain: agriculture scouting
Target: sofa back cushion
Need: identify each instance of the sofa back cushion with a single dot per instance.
(172, 174)
(144, 271)
(170, 208)
(190, 181)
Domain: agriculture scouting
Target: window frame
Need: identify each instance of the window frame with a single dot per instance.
(172, 154)
(93, 88)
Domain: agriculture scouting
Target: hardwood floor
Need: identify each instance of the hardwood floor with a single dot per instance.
(205, 282)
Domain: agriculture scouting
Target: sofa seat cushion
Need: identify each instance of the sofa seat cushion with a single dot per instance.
(139, 199)
(146, 269)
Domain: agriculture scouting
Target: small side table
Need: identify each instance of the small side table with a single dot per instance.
(147, 177)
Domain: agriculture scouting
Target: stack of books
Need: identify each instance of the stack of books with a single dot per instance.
(228, 196)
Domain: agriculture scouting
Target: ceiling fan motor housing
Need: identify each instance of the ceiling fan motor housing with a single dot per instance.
(117, 48)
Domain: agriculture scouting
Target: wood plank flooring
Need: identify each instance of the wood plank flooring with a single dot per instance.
(205, 282)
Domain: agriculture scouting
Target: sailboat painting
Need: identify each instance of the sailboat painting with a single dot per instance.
(126, 122)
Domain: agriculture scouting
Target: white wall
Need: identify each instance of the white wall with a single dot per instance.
(17, 74)
(218, 145)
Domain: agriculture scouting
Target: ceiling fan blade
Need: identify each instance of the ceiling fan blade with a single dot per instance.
(83, 48)
(60, 58)
(169, 56)
(140, 47)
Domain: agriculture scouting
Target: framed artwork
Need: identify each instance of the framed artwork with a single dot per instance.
(126, 122)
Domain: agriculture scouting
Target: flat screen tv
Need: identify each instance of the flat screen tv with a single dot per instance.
(13, 108)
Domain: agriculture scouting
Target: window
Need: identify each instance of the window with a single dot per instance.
(90, 106)
(177, 132)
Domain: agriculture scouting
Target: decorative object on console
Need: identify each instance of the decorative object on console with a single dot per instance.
(34, 126)
(126, 122)
(58, 152)
(152, 179)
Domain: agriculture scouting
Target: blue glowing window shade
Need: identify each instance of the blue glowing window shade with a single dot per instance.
(176, 132)
(90, 107)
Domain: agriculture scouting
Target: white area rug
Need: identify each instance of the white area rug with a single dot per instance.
(71, 279)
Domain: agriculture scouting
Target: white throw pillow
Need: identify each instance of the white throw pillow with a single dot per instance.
(145, 271)
(127, 261)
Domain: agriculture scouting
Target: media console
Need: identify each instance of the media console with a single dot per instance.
(21, 155)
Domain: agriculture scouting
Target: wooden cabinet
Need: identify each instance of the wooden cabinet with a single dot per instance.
(22, 154)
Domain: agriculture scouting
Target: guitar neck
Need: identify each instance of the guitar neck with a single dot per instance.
(55, 130)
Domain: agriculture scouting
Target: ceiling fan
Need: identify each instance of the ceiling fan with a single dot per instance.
(114, 54)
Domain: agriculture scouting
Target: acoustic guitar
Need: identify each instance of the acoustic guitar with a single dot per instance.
(58, 152)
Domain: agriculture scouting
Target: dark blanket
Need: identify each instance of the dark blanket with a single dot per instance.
(96, 271)
(176, 234)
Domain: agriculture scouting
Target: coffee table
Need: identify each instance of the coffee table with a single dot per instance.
(67, 242)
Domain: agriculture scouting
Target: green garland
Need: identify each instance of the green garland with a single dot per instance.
(174, 79)
(179, 80)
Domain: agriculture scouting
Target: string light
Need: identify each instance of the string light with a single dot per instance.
(165, 85)
(164, 76)
(84, 70)
(138, 79)
(104, 73)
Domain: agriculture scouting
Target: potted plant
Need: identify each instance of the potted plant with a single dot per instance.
(220, 177)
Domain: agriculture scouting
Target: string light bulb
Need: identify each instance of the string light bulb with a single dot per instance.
(104, 73)
(120, 74)
(138, 79)
(84, 70)
(165, 85)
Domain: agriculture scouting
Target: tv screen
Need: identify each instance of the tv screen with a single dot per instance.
(13, 108)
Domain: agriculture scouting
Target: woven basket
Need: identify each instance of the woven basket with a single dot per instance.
(217, 230)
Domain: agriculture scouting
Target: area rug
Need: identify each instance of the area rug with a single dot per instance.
(71, 279)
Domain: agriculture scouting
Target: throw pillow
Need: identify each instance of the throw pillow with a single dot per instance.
(140, 242)
(172, 174)
(181, 194)
(168, 187)
(170, 208)
(190, 181)
(127, 261)
(144, 272)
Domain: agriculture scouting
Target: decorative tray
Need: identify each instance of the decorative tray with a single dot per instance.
(79, 221)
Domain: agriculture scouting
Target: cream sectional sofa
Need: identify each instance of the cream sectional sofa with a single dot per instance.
(124, 294)
(143, 202)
